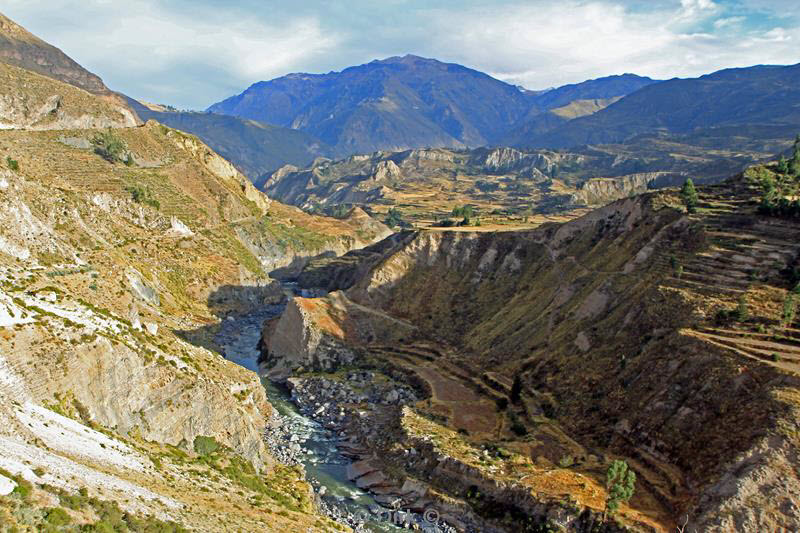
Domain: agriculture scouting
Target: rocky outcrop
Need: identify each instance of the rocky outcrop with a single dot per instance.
(600, 191)
(323, 334)
(309, 334)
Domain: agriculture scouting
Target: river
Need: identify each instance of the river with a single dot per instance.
(325, 467)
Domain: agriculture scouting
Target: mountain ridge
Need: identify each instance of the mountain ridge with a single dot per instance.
(405, 102)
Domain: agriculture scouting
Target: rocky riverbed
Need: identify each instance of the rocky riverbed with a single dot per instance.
(307, 429)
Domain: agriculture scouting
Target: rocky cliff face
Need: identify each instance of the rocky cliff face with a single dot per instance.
(610, 325)
(600, 191)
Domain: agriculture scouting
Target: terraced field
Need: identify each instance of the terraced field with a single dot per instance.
(746, 260)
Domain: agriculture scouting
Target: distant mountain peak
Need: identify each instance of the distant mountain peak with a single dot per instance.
(395, 103)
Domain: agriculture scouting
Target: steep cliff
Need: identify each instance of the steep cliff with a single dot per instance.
(616, 328)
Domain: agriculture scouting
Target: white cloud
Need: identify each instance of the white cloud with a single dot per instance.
(728, 22)
(565, 42)
(194, 53)
(167, 55)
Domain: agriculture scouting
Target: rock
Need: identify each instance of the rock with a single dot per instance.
(6, 485)
(360, 468)
(308, 334)
(371, 480)
(392, 396)
(178, 228)
(141, 289)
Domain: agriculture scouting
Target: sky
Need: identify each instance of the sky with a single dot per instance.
(192, 53)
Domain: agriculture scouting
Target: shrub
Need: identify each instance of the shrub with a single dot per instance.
(502, 403)
(205, 445)
(110, 147)
(394, 218)
(789, 310)
(13, 164)
(23, 488)
(621, 483)
(518, 429)
(446, 223)
(783, 166)
(143, 195)
(57, 517)
(464, 211)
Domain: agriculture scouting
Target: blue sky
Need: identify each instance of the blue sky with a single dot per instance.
(193, 53)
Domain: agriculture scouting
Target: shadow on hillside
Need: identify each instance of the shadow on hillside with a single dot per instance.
(241, 312)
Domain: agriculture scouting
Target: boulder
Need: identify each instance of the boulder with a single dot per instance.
(359, 469)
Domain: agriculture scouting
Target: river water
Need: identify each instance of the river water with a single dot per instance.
(324, 465)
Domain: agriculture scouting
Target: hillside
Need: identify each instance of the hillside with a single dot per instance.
(597, 89)
(747, 98)
(20, 48)
(253, 147)
(504, 186)
(121, 250)
(35, 102)
(104, 265)
(619, 332)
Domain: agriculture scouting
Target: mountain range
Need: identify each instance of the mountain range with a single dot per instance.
(763, 96)
(181, 352)
(407, 102)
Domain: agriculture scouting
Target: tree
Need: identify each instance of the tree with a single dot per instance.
(742, 312)
(13, 164)
(789, 310)
(794, 162)
(394, 218)
(783, 166)
(689, 195)
(621, 483)
(516, 390)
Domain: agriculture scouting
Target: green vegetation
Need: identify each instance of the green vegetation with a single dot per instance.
(689, 196)
(742, 313)
(789, 310)
(13, 164)
(57, 517)
(143, 195)
(205, 445)
(779, 190)
(339, 211)
(486, 186)
(621, 483)
(111, 148)
(394, 218)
